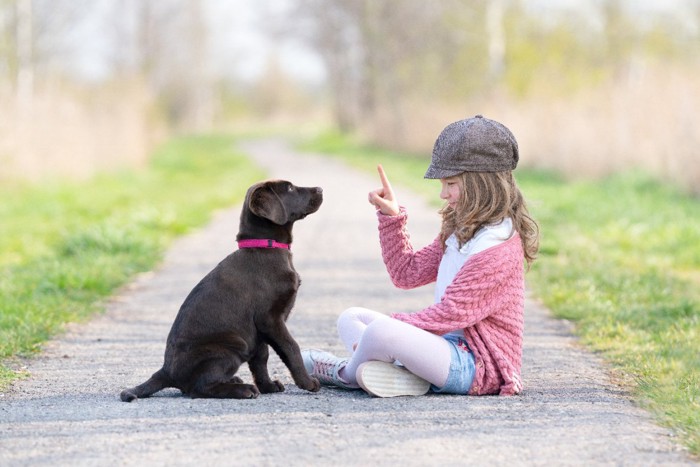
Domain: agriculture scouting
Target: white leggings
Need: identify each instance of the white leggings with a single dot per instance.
(369, 335)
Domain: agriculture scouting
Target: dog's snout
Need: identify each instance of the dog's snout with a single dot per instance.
(318, 190)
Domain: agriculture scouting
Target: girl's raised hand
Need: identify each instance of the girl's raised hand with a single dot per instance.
(383, 198)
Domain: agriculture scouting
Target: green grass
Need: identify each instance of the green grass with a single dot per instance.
(64, 246)
(620, 258)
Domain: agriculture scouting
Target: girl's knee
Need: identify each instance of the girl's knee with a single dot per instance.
(349, 314)
(357, 314)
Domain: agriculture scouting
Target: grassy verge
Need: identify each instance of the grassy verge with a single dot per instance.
(620, 258)
(65, 246)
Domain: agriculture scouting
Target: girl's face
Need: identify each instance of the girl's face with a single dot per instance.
(450, 190)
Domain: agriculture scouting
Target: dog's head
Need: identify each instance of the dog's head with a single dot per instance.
(281, 202)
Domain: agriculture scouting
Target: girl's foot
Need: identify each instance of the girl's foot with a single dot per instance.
(382, 379)
(325, 366)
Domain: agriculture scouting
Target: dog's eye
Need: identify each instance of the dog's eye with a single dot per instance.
(290, 188)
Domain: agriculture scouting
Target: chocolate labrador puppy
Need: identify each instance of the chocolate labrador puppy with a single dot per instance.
(241, 306)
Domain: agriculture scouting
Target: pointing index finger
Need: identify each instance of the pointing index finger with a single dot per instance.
(385, 181)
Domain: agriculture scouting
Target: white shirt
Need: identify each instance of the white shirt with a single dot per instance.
(454, 257)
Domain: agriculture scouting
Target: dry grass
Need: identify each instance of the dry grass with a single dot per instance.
(66, 132)
(644, 118)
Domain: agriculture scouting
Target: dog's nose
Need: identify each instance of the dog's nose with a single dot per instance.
(318, 190)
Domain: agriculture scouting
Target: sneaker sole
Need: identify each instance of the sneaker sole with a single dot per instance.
(382, 379)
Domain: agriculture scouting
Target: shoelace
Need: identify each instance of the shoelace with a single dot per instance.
(325, 370)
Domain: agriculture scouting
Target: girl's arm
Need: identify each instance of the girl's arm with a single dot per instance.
(407, 268)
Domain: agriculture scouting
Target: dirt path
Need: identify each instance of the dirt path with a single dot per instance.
(69, 413)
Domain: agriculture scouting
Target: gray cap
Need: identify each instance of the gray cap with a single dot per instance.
(476, 144)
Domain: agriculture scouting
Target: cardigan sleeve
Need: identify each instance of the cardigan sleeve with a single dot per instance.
(407, 268)
(483, 286)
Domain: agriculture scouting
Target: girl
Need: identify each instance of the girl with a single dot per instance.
(470, 340)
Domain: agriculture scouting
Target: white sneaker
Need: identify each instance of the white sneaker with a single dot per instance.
(382, 379)
(325, 366)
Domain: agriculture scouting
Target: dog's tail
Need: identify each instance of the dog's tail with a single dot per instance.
(155, 383)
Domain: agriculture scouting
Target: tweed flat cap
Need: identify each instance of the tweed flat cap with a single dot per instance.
(475, 144)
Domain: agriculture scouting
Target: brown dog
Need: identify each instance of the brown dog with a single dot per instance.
(241, 307)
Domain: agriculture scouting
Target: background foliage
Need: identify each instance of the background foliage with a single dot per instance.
(590, 88)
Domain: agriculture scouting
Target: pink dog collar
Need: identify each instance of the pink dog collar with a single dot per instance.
(263, 243)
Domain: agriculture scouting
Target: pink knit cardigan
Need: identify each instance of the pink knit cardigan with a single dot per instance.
(486, 299)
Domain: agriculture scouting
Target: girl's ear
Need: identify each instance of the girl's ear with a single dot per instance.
(264, 202)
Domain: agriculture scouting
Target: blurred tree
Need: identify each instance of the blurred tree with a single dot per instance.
(618, 33)
(379, 53)
(496, 36)
(332, 31)
(375, 52)
(170, 49)
(25, 47)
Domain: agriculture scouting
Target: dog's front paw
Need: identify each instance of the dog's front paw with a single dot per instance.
(313, 386)
(272, 386)
(127, 395)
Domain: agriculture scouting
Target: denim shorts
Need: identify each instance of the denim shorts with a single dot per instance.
(462, 368)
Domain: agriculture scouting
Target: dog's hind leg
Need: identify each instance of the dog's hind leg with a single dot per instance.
(225, 391)
(155, 383)
(215, 382)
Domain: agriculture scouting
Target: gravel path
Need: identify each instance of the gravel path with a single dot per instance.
(68, 412)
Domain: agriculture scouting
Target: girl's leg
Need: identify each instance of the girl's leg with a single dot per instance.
(352, 323)
(379, 337)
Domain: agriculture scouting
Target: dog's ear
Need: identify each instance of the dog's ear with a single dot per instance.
(264, 202)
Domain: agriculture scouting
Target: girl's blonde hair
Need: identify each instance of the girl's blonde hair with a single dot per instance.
(487, 198)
